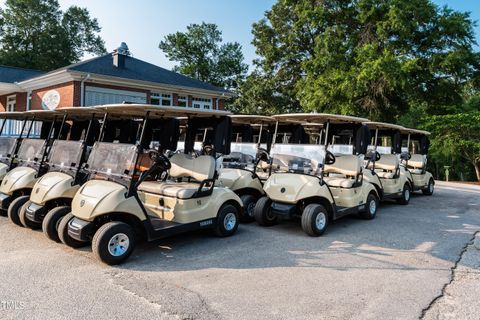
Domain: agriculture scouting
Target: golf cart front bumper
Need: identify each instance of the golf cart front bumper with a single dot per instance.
(5, 200)
(284, 210)
(35, 212)
(81, 230)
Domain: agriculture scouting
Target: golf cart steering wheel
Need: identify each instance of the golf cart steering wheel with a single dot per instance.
(208, 150)
(159, 159)
(329, 158)
(262, 155)
(373, 155)
(405, 156)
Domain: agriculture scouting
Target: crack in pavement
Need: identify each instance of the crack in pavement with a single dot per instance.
(174, 301)
(452, 277)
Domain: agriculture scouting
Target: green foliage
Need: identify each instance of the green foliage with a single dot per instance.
(36, 34)
(374, 58)
(456, 137)
(202, 55)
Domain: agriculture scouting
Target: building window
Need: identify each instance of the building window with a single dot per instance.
(202, 103)
(182, 101)
(161, 99)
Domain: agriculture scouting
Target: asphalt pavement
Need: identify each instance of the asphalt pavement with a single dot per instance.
(411, 262)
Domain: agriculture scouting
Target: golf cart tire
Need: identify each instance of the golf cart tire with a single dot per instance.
(403, 198)
(367, 214)
(63, 233)
(103, 237)
(262, 209)
(309, 219)
(248, 200)
(27, 223)
(14, 208)
(220, 229)
(430, 188)
(52, 220)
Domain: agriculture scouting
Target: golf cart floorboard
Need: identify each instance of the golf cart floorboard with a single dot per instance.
(159, 224)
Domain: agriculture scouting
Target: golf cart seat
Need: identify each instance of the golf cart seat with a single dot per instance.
(200, 169)
(344, 172)
(387, 167)
(417, 163)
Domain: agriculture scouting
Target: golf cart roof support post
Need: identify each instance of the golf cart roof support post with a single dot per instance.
(3, 125)
(84, 145)
(376, 139)
(275, 134)
(47, 143)
(61, 126)
(102, 128)
(204, 135)
(327, 127)
(408, 143)
(139, 146)
(31, 125)
(237, 136)
(260, 134)
(23, 128)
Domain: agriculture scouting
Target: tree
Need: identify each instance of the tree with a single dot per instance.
(456, 135)
(36, 34)
(201, 55)
(375, 58)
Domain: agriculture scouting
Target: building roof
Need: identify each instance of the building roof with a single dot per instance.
(136, 69)
(13, 74)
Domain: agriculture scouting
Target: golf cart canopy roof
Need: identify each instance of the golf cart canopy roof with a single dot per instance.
(41, 114)
(415, 132)
(14, 115)
(251, 119)
(140, 110)
(80, 113)
(319, 118)
(383, 125)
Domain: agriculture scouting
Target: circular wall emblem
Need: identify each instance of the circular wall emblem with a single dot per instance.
(51, 100)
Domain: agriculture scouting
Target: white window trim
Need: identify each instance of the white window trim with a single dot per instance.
(158, 95)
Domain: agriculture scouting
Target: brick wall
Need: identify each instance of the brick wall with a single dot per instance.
(66, 91)
(21, 103)
(3, 103)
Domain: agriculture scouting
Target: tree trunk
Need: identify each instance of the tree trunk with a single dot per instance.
(477, 170)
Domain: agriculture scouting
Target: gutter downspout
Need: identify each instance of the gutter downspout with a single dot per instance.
(82, 90)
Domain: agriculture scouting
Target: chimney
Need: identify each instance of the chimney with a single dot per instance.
(119, 55)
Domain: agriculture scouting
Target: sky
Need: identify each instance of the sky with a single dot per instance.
(142, 24)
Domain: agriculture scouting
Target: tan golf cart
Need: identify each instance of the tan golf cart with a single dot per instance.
(122, 201)
(241, 170)
(9, 144)
(383, 168)
(414, 160)
(17, 184)
(311, 183)
(53, 192)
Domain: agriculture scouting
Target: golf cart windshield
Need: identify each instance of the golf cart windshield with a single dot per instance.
(242, 155)
(6, 147)
(31, 150)
(115, 160)
(297, 158)
(65, 155)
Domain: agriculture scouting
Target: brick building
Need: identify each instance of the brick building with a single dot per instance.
(111, 78)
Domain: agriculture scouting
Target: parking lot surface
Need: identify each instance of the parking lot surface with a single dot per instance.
(405, 264)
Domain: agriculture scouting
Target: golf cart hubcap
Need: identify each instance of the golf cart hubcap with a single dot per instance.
(118, 244)
(229, 221)
(250, 209)
(320, 221)
(407, 194)
(373, 206)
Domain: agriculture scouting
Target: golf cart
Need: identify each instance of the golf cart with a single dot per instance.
(53, 192)
(18, 183)
(174, 195)
(313, 184)
(9, 144)
(414, 160)
(241, 172)
(383, 168)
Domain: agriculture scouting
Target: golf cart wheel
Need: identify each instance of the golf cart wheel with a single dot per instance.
(113, 242)
(430, 188)
(406, 194)
(3, 213)
(227, 220)
(314, 219)
(249, 202)
(63, 233)
(14, 208)
(27, 223)
(52, 221)
(371, 207)
(263, 212)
